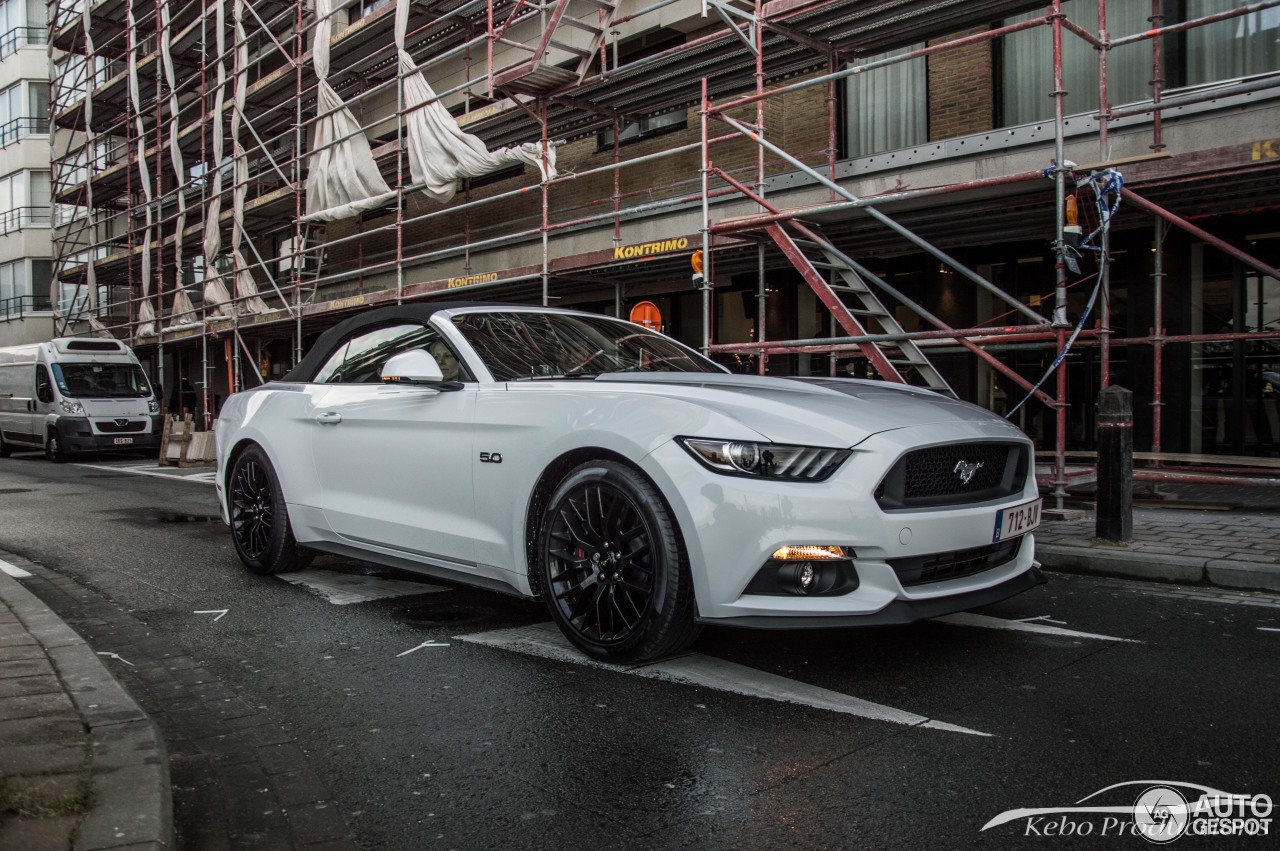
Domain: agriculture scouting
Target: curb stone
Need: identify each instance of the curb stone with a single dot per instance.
(1184, 570)
(129, 767)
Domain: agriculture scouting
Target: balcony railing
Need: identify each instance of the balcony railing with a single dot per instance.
(18, 218)
(22, 305)
(22, 37)
(12, 131)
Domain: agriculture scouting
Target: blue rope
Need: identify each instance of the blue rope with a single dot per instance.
(1111, 184)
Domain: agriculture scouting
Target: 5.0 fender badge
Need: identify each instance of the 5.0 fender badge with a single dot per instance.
(490, 457)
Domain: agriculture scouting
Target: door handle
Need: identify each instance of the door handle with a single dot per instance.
(329, 418)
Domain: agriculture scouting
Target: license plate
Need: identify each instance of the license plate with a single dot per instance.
(123, 441)
(1012, 522)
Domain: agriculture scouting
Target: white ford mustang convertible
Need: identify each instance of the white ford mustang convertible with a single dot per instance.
(640, 489)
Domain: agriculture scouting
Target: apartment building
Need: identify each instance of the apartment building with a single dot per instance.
(1016, 203)
(26, 246)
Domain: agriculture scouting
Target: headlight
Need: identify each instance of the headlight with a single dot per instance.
(153, 405)
(766, 460)
(71, 407)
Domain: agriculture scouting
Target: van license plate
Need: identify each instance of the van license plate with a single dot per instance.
(1012, 522)
(123, 441)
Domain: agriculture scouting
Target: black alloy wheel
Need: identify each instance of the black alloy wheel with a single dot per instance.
(259, 518)
(612, 566)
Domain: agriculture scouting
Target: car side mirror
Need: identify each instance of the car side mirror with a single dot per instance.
(412, 367)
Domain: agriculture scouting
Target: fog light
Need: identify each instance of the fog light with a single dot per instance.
(807, 575)
(802, 577)
(807, 552)
(808, 571)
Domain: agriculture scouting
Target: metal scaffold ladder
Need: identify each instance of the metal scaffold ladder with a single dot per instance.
(536, 75)
(858, 309)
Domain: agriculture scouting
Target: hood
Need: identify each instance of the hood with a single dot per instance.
(812, 411)
(134, 407)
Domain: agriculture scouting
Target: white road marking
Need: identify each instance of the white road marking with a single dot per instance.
(546, 641)
(118, 657)
(15, 572)
(1263, 628)
(1044, 618)
(205, 477)
(343, 589)
(221, 613)
(422, 645)
(970, 619)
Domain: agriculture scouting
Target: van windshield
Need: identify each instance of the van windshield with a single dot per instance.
(101, 380)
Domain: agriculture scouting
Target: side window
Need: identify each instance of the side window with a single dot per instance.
(360, 359)
(44, 387)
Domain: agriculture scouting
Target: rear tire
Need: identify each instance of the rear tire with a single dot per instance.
(259, 518)
(612, 566)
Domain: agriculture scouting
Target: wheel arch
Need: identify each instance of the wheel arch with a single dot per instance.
(552, 475)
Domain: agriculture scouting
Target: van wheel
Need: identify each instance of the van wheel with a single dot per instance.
(53, 448)
(259, 519)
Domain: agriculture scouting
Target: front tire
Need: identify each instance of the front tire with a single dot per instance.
(53, 448)
(5, 449)
(612, 566)
(259, 518)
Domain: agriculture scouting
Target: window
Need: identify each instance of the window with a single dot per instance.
(360, 359)
(1026, 67)
(887, 108)
(11, 113)
(18, 192)
(44, 387)
(12, 281)
(1238, 47)
(634, 50)
(646, 128)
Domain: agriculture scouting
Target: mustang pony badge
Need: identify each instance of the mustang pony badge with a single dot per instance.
(966, 470)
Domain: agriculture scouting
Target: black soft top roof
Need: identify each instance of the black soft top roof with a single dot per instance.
(328, 342)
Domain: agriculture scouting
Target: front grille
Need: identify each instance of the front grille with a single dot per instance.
(954, 474)
(113, 427)
(920, 570)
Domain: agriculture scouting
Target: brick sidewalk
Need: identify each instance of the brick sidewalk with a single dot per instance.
(44, 746)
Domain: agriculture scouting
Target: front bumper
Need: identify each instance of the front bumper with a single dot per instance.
(899, 611)
(79, 435)
(732, 525)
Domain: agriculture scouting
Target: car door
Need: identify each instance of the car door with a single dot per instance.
(394, 461)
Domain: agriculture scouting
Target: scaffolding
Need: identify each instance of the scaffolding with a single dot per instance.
(187, 136)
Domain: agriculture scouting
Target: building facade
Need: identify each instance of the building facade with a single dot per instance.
(26, 246)
(1018, 203)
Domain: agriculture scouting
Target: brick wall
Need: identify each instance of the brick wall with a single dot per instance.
(961, 89)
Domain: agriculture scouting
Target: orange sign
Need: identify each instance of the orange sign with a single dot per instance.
(646, 313)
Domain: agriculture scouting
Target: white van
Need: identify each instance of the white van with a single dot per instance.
(73, 395)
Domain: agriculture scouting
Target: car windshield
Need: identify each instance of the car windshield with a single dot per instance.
(526, 345)
(101, 380)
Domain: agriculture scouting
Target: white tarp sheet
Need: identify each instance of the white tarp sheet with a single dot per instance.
(342, 178)
(249, 300)
(439, 152)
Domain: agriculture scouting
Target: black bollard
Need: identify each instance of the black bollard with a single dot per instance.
(1114, 520)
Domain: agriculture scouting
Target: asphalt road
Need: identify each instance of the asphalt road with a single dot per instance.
(449, 718)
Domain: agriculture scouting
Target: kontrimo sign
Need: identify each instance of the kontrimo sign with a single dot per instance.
(644, 249)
